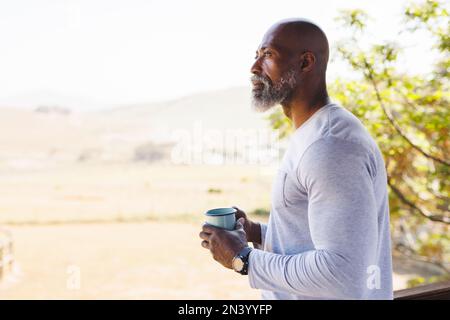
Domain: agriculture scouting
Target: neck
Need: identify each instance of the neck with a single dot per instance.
(300, 108)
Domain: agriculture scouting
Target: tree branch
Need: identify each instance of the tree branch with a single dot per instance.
(406, 178)
(422, 211)
(410, 253)
(431, 191)
(370, 74)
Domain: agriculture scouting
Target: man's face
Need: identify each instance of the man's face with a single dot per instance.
(274, 77)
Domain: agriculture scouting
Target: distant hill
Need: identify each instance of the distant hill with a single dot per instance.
(31, 100)
(115, 133)
(229, 108)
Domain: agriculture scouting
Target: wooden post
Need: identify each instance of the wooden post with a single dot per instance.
(2, 254)
(11, 253)
(6, 253)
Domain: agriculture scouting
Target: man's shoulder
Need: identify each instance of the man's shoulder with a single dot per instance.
(335, 131)
(344, 125)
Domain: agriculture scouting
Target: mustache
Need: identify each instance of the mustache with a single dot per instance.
(265, 80)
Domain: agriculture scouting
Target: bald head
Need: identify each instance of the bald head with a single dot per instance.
(291, 64)
(297, 36)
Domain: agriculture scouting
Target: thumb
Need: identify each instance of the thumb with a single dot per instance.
(240, 224)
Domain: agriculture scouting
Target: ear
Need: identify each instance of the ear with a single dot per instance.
(307, 61)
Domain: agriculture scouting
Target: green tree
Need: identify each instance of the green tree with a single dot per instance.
(409, 116)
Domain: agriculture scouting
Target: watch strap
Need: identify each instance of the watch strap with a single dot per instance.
(244, 255)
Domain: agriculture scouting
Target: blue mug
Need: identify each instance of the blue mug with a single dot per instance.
(224, 218)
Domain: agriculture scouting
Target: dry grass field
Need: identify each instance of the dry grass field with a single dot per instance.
(119, 261)
(132, 230)
(121, 192)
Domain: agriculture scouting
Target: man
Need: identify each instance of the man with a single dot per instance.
(328, 231)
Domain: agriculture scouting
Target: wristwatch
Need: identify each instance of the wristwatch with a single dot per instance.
(240, 261)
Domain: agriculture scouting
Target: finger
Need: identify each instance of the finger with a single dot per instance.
(209, 228)
(240, 213)
(240, 224)
(205, 244)
(204, 235)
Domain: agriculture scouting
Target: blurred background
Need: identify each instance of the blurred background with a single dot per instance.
(122, 122)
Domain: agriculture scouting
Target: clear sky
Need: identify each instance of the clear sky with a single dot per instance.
(115, 52)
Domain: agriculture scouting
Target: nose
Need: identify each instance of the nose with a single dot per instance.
(256, 67)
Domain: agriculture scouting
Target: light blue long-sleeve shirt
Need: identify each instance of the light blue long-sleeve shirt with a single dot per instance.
(328, 231)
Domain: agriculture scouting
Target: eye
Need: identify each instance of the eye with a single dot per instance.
(264, 54)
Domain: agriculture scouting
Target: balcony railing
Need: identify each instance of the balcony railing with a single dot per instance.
(434, 291)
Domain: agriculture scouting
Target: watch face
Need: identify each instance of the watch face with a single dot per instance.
(238, 264)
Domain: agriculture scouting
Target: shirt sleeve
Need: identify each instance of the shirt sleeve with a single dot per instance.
(337, 175)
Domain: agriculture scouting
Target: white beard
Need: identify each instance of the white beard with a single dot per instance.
(271, 96)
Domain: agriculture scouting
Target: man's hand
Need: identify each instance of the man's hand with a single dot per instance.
(224, 244)
(252, 229)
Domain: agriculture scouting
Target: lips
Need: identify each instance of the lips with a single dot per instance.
(257, 85)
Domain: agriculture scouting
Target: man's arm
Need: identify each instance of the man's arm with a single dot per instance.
(259, 241)
(343, 224)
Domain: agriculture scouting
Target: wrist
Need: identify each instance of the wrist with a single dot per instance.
(240, 261)
(255, 233)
